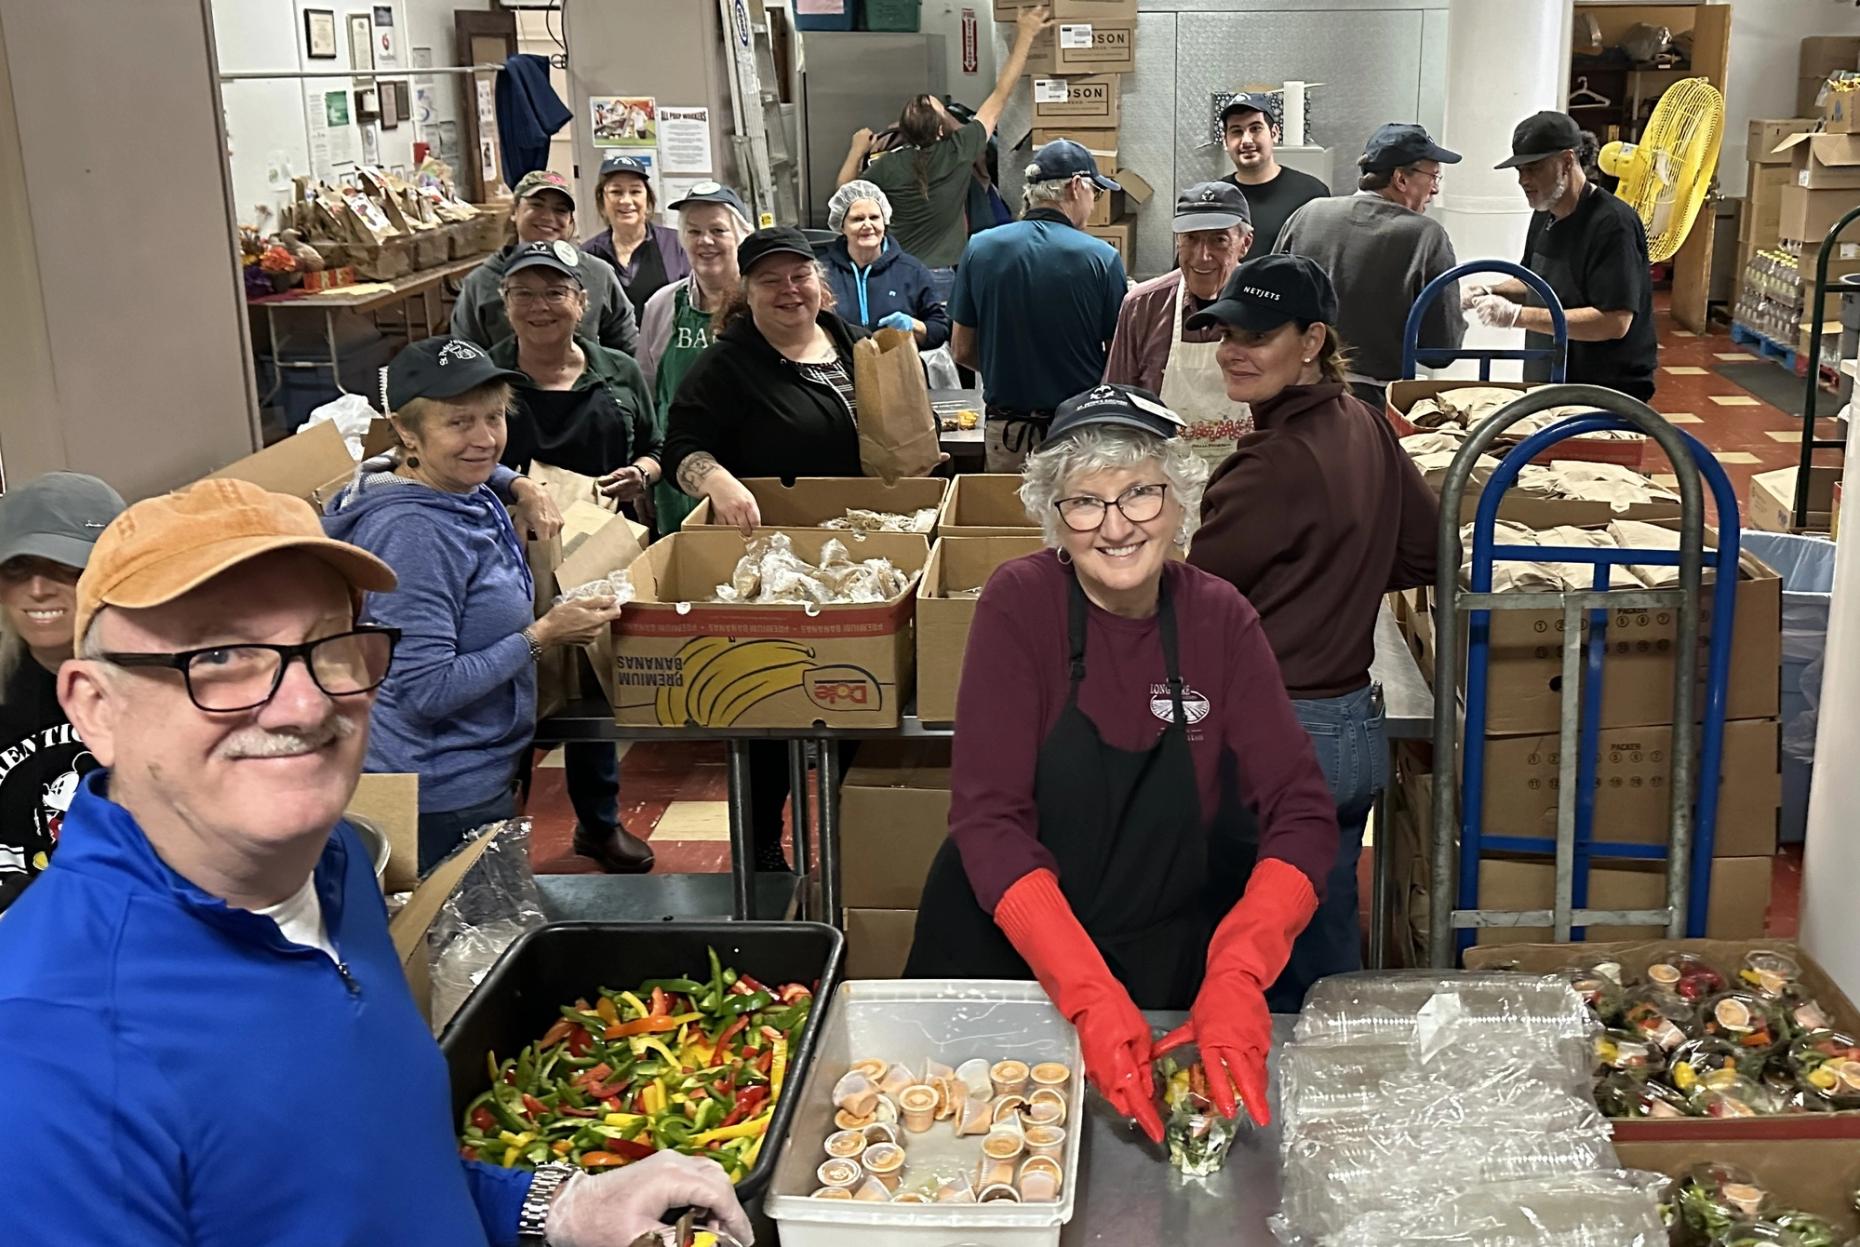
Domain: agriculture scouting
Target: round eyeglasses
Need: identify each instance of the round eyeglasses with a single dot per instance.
(1139, 504)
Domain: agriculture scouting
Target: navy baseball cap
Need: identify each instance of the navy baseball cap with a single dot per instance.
(1540, 136)
(1062, 158)
(558, 257)
(1270, 291)
(1211, 205)
(1116, 406)
(57, 517)
(1252, 101)
(619, 162)
(712, 193)
(1398, 143)
(441, 368)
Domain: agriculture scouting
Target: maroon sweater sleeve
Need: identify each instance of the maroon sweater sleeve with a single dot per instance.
(999, 705)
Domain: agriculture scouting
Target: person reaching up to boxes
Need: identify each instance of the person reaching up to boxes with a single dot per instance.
(1250, 132)
(459, 709)
(211, 922)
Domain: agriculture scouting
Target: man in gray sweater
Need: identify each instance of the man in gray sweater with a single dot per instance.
(1380, 249)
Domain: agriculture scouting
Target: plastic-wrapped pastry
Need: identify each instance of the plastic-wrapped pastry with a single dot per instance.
(859, 520)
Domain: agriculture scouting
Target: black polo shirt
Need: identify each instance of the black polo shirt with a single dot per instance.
(1597, 257)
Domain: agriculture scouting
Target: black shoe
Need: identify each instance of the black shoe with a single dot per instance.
(619, 852)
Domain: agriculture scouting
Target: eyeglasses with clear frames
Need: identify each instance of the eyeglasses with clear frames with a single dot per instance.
(223, 679)
(1139, 504)
(554, 296)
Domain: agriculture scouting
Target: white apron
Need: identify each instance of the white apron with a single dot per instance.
(1195, 389)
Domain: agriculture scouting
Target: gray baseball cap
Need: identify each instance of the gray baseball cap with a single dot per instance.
(58, 517)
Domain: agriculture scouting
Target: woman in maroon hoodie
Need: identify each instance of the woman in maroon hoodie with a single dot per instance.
(1314, 517)
(1106, 687)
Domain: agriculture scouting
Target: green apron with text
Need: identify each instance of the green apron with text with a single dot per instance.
(690, 335)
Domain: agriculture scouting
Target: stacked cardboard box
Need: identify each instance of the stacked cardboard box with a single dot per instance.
(894, 816)
(1804, 176)
(1821, 56)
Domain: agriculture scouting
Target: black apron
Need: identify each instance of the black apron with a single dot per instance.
(1135, 857)
(583, 430)
(648, 275)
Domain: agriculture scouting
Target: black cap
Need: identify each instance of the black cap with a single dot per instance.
(712, 193)
(776, 240)
(1121, 406)
(558, 257)
(1211, 205)
(1398, 143)
(1252, 101)
(1267, 292)
(441, 368)
(1540, 136)
(620, 162)
(1062, 158)
(57, 517)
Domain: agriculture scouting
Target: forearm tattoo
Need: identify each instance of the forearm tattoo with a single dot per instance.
(693, 472)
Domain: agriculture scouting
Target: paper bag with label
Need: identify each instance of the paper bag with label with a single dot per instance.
(612, 548)
(897, 429)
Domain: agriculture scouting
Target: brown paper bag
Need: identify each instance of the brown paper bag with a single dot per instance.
(897, 429)
(558, 676)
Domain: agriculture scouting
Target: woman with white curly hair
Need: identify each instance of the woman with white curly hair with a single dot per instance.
(876, 284)
(1106, 688)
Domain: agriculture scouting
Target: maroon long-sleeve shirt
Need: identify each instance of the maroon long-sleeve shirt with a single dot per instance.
(1315, 516)
(1014, 685)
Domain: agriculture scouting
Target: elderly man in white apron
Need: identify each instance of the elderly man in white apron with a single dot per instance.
(1213, 232)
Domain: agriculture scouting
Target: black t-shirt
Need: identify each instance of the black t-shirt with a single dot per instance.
(1597, 257)
(41, 761)
(1272, 203)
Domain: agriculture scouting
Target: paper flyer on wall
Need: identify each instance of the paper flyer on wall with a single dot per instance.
(684, 140)
(629, 121)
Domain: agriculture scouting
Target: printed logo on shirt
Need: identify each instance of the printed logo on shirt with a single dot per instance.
(1195, 705)
(690, 339)
(55, 800)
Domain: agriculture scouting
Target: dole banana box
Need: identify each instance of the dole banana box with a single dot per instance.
(683, 659)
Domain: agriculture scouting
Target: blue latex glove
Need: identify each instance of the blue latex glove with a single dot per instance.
(899, 320)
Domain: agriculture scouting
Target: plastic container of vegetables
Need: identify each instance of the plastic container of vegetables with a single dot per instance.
(1660, 1016)
(1713, 1197)
(1826, 1064)
(1743, 1019)
(551, 967)
(1757, 1234)
(1686, 975)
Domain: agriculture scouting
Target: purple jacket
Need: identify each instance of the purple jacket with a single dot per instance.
(671, 251)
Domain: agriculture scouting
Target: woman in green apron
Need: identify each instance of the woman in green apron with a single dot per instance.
(676, 325)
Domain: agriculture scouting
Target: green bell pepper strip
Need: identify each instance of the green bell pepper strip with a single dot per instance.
(681, 987)
(672, 1132)
(737, 1006)
(509, 1117)
(714, 997)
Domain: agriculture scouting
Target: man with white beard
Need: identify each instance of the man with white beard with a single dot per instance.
(1592, 250)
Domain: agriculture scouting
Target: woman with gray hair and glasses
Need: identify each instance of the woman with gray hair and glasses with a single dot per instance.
(1106, 690)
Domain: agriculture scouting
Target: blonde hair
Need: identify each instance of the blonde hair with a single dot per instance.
(412, 414)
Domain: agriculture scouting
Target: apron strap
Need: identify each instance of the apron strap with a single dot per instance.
(1171, 666)
(1075, 635)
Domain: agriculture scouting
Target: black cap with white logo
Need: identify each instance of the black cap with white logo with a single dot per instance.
(558, 257)
(57, 517)
(1252, 101)
(1211, 205)
(1270, 291)
(712, 193)
(620, 162)
(441, 368)
(1116, 406)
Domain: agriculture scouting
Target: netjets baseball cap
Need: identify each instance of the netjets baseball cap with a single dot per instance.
(712, 193)
(1540, 136)
(536, 182)
(441, 368)
(1116, 406)
(1211, 205)
(1270, 291)
(558, 257)
(1398, 143)
(57, 517)
(1252, 101)
(1062, 158)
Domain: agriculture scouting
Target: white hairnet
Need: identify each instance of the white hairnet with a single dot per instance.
(848, 195)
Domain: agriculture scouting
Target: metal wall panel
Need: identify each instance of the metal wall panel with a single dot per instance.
(1148, 142)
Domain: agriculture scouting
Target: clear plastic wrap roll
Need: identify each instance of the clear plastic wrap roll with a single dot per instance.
(1487, 1081)
(1577, 1210)
(1435, 1008)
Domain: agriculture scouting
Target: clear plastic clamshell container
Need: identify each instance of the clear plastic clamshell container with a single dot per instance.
(914, 1020)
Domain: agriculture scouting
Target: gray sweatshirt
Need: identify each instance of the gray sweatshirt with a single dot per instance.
(1379, 255)
(478, 316)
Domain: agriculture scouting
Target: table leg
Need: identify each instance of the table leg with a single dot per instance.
(277, 355)
(1382, 877)
(335, 358)
(830, 833)
(742, 856)
(798, 818)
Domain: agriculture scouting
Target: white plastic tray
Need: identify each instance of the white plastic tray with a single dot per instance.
(912, 1020)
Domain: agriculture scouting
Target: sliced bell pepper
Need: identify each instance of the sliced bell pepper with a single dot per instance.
(651, 1025)
(742, 1130)
(638, 1007)
(607, 1011)
(601, 1160)
(658, 1002)
(629, 1148)
(730, 1032)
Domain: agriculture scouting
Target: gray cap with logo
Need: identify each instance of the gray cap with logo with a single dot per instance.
(57, 517)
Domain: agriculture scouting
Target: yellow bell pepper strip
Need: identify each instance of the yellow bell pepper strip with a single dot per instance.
(606, 1010)
(779, 1068)
(639, 1007)
(622, 1120)
(742, 1130)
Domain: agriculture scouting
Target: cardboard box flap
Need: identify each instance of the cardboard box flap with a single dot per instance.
(298, 465)
(611, 547)
(1840, 150)
(391, 802)
(1134, 186)
(810, 501)
(409, 927)
(686, 567)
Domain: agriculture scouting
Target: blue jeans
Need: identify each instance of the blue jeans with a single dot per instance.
(942, 283)
(1353, 751)
(441, 830)
(591, 772)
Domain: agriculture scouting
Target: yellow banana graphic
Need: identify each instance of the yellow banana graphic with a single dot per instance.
(757, 687)
(672, 704)
(723, 677)
(726, 674)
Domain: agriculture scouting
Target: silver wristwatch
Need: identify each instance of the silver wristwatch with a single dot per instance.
(533, 1220)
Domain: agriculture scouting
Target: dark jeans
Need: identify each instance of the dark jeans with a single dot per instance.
(591, 772)
(441, 830)
(768, 796)
(1353, 751)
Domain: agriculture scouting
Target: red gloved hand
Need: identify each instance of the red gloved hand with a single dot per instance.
(1113, 1035)
(1230, 1021)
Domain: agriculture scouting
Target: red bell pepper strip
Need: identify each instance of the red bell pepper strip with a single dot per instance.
(629, 1149)
(601, 1160)
(659, 1002)
(556, 1034)
(482, 1118)
(747, 1105)
(569, 1110)
(533, 1105)
(579, 1041)
(723, 1041)
(767, 1059)
(754, 987)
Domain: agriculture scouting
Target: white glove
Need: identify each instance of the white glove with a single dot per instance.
(614, 1208)
(1471, 293)
(1496, 311)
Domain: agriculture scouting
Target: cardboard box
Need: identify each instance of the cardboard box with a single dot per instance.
(1102, 144)
(1106, 209)
(1098, 11)
(313, 465)
(1767, 132)
(391, 802)
(409, 926)
(1010, 10)
(1089, 102)
(1772, 500)
(1805, 216)
(1821, 55)
(1815, 1176)
(810, 501)
(1121, 234)
(1525, 660)
(679, 658)
(1838, 113)
(878, 941)
(1112, 208)
(1403, 395)
(894, 816)
(1085, 47)
(1823, 161)
(985, 505)
(956, 564)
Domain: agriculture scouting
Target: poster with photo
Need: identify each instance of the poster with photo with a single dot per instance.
(628, 121)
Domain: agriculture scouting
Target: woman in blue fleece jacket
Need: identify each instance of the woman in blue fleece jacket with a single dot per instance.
(459, 706)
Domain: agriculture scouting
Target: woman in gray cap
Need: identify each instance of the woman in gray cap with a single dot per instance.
(47, 529)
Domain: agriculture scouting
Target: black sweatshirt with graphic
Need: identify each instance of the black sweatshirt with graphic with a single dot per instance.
(41, 761)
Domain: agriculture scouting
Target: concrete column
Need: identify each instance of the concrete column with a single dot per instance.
(1506, 59)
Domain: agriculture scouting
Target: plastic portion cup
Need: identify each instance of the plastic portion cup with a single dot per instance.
(1051, 1074)
(918, 1106)
(1046, 1141)
(845, 1144)
(1009, 1077)
(833, 1192)
(998, 1193)
(1004, 1145)
(885, 1162)
(839, 1172)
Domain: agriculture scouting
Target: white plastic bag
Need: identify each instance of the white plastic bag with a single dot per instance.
(940, 368)
(351, 415)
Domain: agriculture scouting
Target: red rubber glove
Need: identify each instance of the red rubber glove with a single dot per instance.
(1113, 1035)
(1230, 1021)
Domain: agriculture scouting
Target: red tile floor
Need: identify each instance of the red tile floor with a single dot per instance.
(673, 794)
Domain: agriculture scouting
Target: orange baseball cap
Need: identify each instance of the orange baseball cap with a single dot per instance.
(162, 548)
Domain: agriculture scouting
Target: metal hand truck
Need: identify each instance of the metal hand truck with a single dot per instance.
(1812, 386)
(1413, 354)
(1459, 813)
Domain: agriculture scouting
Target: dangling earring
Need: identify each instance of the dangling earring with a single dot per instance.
(413, 461)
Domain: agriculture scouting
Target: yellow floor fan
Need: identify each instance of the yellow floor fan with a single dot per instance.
(1666, 175)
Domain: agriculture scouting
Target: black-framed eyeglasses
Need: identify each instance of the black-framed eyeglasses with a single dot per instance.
(226, 678)
(1085, 514)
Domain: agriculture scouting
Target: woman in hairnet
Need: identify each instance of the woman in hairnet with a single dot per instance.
(876, 284)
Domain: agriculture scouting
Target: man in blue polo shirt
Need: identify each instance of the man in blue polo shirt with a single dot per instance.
(1035, 304)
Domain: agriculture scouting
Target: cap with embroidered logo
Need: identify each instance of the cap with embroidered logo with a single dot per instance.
(442, 368)
(535, 183)
(559, 256)
(1110, 405)
(57, 517)
(1211, 205)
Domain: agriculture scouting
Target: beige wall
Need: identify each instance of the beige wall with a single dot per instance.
(122, 327)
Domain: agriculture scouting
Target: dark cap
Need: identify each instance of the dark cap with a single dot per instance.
(1397, 144)
(620, 162)
(1267, 292)
(712, 193)
(1119, 406)
(441, 368)
(536, 182)
(1542, 135)
(58, 517)
(1211, 205)
(1252, 101)
(558, 257)
(1062, 158)
(776, 240)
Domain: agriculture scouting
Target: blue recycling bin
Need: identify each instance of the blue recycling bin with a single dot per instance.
(1806, 565)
